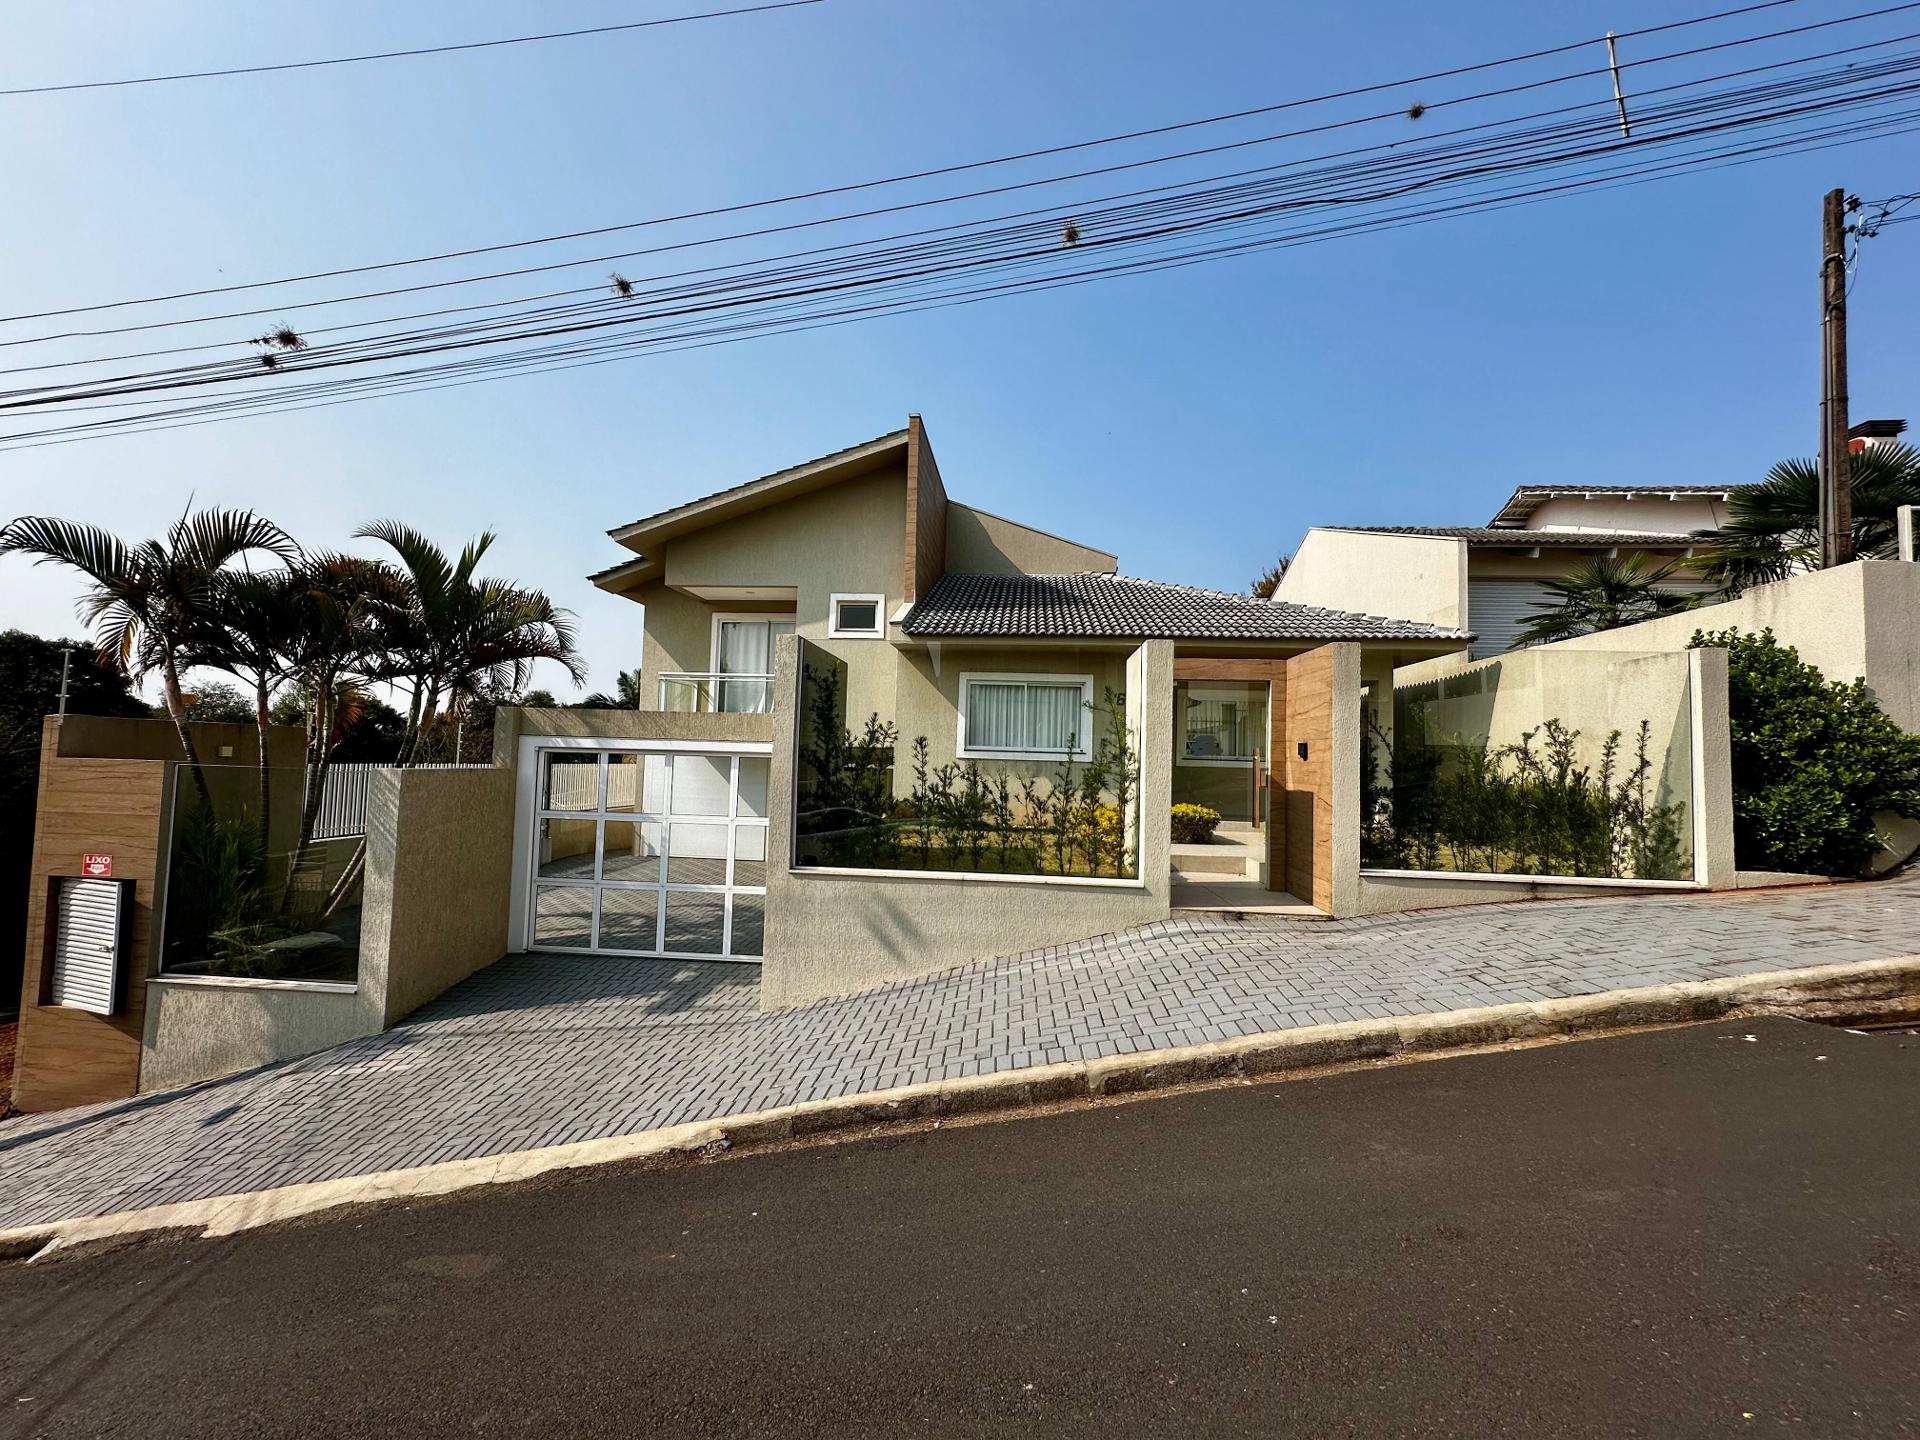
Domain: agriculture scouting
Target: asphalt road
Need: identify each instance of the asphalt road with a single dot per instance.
(1673, 1234)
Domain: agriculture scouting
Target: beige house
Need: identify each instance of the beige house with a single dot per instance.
(1490, 578)
(994, 654)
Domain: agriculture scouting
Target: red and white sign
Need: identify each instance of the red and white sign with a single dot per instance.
(97, 867)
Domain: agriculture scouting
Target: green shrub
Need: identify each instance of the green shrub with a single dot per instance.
(1813, 760)
(1194, 824)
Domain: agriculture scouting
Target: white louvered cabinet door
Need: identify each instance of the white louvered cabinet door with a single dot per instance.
(86, 947)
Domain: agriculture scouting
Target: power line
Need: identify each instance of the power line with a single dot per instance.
(1401, 161)
(965, 264)
(924, 203)
(403, 54)
(555, 357)
(997, 160)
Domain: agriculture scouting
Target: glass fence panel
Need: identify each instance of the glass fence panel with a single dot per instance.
(563, 916)
(251, 891)
(566, 847)
(572, 782)
(628, 919)
(750, 855)
(1574, 763)
(868, 797)
(632, 851)
(749, 924)
(695, 922)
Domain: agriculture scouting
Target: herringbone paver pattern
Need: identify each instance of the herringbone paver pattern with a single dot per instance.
(542, 1050)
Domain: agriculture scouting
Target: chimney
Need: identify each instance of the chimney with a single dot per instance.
(1874, 432)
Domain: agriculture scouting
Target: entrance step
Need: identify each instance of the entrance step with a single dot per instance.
(1238, 855)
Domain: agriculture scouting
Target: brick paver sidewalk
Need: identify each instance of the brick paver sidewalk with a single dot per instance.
(543, 1050)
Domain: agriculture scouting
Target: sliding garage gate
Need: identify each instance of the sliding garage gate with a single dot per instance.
(647, 850)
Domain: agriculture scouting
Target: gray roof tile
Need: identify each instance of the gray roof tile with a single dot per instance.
(1120, 607)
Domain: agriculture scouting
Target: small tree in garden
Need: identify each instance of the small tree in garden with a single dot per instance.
(1813, 761)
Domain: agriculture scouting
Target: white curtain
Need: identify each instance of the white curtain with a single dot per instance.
(1016, 715)
(1056, 717)
(996, 716)
(746, 646)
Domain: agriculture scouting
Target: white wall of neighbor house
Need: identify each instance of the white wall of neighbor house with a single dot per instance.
(1651, 513)
(1856, 621)
(838, 933)
(1402, 577)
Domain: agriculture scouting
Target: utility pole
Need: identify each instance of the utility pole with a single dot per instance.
(66, 666)
(1836, 488)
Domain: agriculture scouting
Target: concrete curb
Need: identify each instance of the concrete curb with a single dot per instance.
(1818, 991)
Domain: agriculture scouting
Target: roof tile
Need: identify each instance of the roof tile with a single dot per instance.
(1120, 607)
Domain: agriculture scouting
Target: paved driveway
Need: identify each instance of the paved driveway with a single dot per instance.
(542, 1050)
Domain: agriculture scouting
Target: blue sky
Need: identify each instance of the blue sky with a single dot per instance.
(1195, 421)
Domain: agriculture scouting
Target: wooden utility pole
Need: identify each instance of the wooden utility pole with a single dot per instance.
(1836, 489)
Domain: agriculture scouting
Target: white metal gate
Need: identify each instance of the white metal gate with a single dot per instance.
(659, 851)
(89, 921)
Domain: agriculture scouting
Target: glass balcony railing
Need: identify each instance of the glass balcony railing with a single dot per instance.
(712, 693)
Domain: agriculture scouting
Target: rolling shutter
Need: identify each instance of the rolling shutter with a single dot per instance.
(1497, 610)
(86, 947)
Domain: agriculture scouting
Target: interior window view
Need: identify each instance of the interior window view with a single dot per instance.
(743, 660)
(644, 853)
(1220, 747)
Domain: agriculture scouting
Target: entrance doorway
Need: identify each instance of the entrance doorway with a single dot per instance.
(645, 848)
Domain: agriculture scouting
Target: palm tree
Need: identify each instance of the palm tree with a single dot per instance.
(150, 604)
(1604, 594)
(626, 694)
(453, 638)
(1773, 528)
(450, 637)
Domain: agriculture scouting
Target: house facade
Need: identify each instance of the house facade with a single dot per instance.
(1491, 578)
(1046, 710)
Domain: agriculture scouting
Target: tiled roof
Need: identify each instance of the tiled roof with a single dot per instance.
(1490, 535)
(1119, 607)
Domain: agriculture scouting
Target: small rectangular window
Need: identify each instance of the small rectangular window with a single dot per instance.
(857, 616)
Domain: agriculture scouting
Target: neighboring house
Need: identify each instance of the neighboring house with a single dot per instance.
(1489, 578)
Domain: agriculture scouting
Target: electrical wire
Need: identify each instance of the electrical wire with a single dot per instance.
(1027, 154)
(402, 54)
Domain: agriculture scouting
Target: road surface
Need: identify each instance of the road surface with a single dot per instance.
(1682, 1233)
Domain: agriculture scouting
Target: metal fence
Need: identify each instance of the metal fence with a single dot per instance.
(343, 798)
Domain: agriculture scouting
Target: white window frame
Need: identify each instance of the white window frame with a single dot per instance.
(1084, 751)
(836, 632)
(719, 616)
(528, 812)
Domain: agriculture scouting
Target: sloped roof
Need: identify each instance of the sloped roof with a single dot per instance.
(1490, 535)
(1120, 607)
(765, 490)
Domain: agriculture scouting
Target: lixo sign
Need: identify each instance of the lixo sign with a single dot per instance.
(97, 866)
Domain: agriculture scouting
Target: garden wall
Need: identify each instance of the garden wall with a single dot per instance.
(106, 785)
(434, 910)
(837, 932)
(1681, 694)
